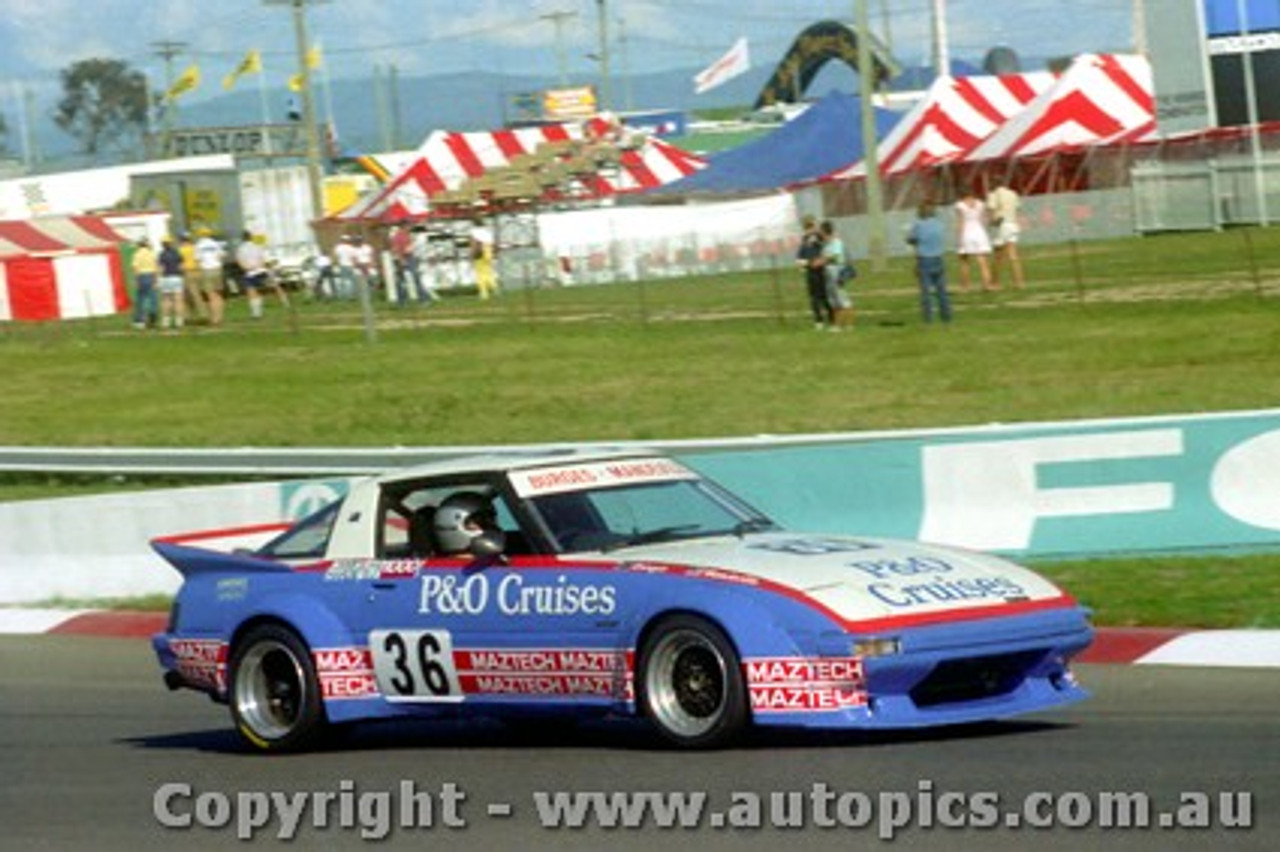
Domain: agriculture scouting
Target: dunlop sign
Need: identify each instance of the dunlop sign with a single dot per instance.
(263, 141)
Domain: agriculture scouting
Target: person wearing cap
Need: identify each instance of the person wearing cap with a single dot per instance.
(145, 266)
(252, 259)
(191, 276)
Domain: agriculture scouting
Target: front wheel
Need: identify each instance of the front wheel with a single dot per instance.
(690, 683)
(275, 693)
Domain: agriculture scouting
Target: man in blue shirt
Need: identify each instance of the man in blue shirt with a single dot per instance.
(929, 239)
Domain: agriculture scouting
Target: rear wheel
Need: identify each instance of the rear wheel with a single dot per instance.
(275, 693)
(690, 683)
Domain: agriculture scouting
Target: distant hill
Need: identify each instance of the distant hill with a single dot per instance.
(466, 101)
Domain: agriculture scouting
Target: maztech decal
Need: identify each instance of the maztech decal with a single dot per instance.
(805, 684)
(201, 662)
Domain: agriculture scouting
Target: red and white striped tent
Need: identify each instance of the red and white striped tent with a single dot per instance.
(60, 267)
(1099, 100)
(955, 115)
(447, 159)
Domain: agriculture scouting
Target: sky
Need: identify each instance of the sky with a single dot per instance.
(40, 37)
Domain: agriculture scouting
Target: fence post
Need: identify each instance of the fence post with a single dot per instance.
(1253, 261)
(779, 305)
(1077, 270)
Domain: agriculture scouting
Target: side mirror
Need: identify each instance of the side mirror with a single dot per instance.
(488, 543)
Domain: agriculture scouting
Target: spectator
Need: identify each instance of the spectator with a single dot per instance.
(972, 242)
(807, 258)
(172, 287)
(833, 261)
(326, 285)
(193, 300)
(145, 266)
(482, 258)
(405, 261)
(1002, 205)
(344, 257)
(210, 257)
(927, 237)
(427, 270)
(252, 259)
(366, 262)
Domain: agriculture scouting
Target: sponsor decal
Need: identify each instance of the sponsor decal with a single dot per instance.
(423, 666)
(812, 546)
(939, 583)
(300, 499)
(805, 684)
(557, 480)
(550, 671)
(201, 662)
(514, 594)
(232, 588)
(345, 673)
(371, 569)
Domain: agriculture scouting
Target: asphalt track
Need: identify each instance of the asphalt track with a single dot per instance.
(88, 735)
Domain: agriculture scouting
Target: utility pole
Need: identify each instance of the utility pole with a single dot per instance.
(870, 156)
(558, 20)
(168, 51)
(603, 102)
(310, 133)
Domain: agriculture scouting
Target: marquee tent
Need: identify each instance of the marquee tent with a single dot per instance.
(826, 136)
(446, 160)
(60, 267)
(1099, 100)
(955, 115)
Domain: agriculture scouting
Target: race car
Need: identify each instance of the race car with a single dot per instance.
(571, 585)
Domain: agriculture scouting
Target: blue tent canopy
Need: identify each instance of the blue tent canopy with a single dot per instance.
(825, 137)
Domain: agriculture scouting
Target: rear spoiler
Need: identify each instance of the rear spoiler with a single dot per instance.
(191, 561)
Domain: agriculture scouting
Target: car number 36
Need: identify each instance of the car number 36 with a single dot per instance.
(415, 665)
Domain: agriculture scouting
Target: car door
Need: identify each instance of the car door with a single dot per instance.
(520, 626)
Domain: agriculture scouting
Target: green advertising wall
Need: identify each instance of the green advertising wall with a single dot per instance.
(1046, 490)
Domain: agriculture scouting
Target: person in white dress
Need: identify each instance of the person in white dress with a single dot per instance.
(972, 242)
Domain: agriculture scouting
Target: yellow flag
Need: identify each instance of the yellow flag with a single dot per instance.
(315, 59)
(188, 80)
(251, 64)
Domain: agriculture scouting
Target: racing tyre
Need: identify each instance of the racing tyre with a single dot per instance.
(275, 693)
(690, 684)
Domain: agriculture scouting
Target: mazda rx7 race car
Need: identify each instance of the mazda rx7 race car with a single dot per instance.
(572, 585)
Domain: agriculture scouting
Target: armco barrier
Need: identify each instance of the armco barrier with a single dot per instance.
(1196, 483)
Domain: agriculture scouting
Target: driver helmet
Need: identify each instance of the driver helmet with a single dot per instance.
(460, 519)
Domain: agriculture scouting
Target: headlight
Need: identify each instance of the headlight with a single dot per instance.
(877, 647)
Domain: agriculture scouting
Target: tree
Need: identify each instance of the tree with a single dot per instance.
(103, 101)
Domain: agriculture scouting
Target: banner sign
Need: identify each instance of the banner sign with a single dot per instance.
(568, 104)
(260, 141)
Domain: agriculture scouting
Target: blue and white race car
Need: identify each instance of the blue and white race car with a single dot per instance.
(603, 584)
